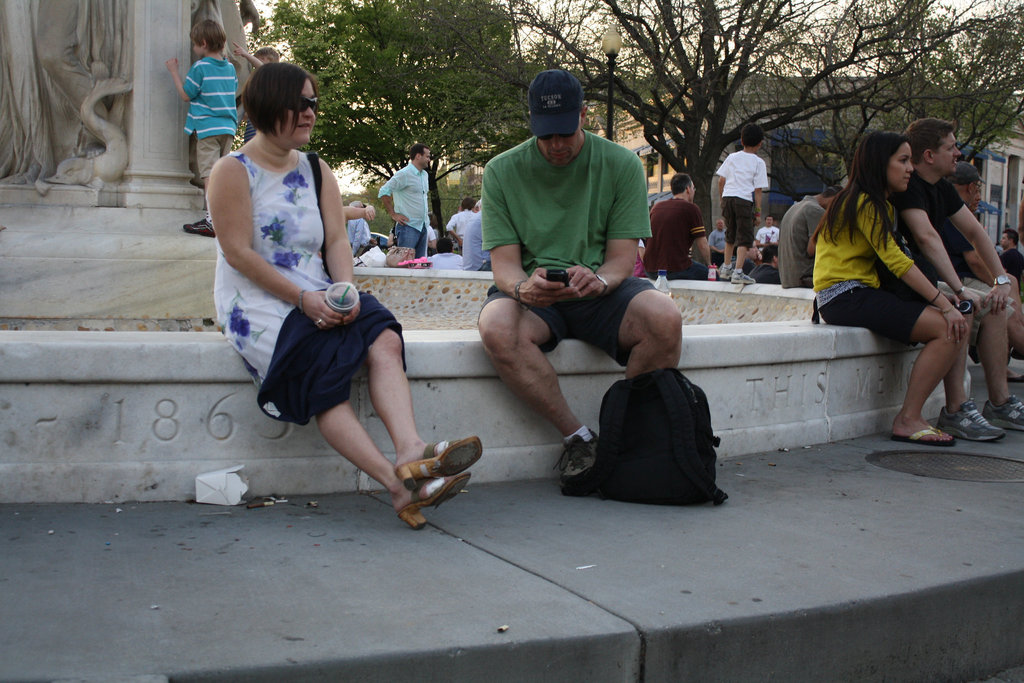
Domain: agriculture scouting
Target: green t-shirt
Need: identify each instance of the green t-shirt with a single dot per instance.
(562, 216)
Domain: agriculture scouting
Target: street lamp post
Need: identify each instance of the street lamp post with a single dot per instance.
(611, 43)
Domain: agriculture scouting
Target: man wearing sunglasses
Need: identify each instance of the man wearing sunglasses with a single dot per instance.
(404, 197)
(562, 213)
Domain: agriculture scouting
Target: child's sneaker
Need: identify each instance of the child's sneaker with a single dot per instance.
(200, 227)
(725, 272)
(741, 278)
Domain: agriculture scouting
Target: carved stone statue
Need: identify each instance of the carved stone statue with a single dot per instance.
(58, 102)
(65, 74)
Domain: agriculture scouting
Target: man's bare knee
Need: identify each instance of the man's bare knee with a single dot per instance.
(652, 316)
(497, 328)
(505, 329)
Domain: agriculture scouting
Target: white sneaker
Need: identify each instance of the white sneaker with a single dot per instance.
(741, 278)
(724, 272)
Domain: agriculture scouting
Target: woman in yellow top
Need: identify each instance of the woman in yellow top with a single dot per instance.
(856, 234)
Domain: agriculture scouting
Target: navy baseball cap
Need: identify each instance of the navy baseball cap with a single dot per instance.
(556, 99)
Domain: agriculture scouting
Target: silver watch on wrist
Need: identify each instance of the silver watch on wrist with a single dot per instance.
(1003, 279)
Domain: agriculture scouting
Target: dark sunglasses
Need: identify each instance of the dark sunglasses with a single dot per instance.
(564, 136)
(308, 103)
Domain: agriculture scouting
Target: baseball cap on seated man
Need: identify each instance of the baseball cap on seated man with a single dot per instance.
(965, 174)
(556, 99)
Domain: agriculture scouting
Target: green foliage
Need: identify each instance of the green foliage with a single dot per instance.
(393, 73)
(691, 74)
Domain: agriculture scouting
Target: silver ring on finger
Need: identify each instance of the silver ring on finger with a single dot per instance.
(319, 322)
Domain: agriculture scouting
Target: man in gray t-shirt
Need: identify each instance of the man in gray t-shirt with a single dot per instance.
(796, 254)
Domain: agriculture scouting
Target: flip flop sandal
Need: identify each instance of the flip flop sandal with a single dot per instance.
(436, 494)
(918, 438)
(453, 458)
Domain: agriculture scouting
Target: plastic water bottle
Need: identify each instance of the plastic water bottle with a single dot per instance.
(661, 284)
(712, 273)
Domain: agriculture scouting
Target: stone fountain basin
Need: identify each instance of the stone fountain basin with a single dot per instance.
(128, 415)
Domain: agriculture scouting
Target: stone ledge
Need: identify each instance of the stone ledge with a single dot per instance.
(83, 357)
(93, 416)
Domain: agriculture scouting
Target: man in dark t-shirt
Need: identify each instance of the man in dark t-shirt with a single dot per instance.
(768, 272)
(676, 226)
(1011, 258)
(969, 266)
(923, 210)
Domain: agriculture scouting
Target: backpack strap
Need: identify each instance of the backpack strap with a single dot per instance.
(683, 427)
(318, 178)
(318, 182)
(613, 416)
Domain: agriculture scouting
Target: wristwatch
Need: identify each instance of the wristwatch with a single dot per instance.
(603, 282)
(1003, 279)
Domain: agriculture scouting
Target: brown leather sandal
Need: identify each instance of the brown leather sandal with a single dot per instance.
(411, 514)
(455, 457)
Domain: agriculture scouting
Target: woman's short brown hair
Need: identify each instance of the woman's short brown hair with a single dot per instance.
(272, 91)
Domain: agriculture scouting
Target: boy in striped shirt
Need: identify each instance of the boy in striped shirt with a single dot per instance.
(209, 88)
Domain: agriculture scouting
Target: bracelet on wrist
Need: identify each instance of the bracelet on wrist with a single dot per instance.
(302, 292)
(932, 300)
(515, 292)
(948, 310)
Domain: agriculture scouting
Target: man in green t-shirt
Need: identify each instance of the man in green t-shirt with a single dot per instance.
(562, 214)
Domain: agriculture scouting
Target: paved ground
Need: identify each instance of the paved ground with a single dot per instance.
(821, 566)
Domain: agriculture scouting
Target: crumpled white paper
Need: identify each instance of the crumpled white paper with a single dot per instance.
(222, 487)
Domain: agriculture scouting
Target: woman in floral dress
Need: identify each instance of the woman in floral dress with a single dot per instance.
(269, 293)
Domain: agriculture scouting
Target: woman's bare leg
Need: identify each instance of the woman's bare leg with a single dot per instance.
(932, 364)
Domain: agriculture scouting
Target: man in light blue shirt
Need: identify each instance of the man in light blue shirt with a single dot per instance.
(473, 255)
(358, 231)
(405, 199)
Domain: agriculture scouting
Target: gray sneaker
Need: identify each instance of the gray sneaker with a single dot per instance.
(1009, 415)
(725, 272)
(741, 278)
(967, 423)
(578, 456)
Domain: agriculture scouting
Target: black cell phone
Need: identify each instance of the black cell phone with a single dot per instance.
(557, 275)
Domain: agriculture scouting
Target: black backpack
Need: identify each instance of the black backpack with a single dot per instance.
(656, 444)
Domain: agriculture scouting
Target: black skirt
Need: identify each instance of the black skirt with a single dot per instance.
(311, 370)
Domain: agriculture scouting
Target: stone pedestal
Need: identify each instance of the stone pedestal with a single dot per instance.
(117, 251)
(158, 174)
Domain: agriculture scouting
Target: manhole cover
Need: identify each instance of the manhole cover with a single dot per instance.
(950, 465)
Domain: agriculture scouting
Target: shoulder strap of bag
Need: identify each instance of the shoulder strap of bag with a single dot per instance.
(682, 426)
(318, 178)
(613, 418)
(318, 181)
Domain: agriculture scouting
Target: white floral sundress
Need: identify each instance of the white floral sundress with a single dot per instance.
(288, 234)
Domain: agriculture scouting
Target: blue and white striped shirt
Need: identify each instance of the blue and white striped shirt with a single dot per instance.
(211, 85)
